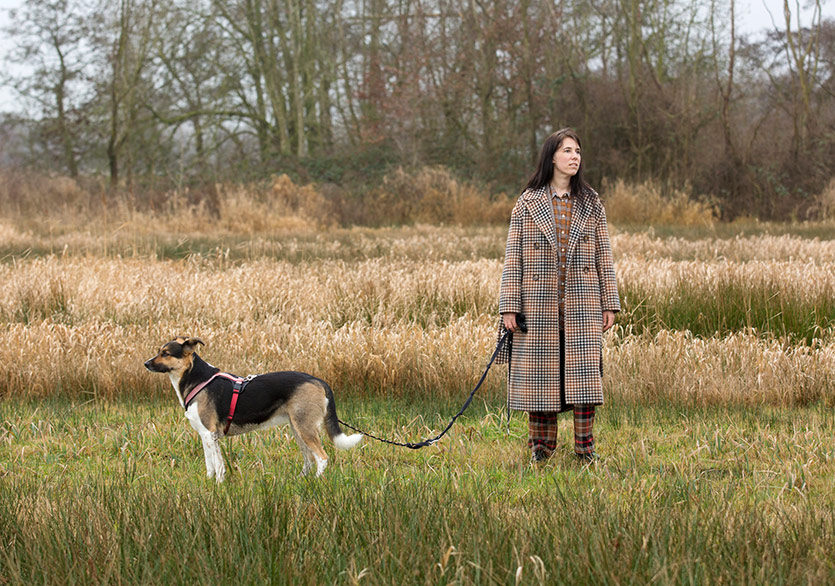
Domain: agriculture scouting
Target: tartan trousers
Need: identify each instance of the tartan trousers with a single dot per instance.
(542, 425)
(542, 430)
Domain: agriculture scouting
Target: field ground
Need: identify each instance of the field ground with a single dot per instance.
(717, 435)
(116, 493)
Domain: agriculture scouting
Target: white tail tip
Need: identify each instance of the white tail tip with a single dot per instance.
(346, 442)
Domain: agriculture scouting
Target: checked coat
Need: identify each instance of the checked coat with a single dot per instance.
(529, 286)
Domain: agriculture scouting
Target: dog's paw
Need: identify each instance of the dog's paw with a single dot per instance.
(321, 464)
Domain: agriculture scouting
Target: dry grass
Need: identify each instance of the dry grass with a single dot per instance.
(738, 249)
(389, 311)
(51, 206)
(797, 281)
(97, 320)
(740, 368)
(433, 195)
(55, 205)
(651, 203)
(101, 360)
(824, 206)
(385, 326)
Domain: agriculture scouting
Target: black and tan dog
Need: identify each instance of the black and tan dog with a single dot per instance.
(267, 400)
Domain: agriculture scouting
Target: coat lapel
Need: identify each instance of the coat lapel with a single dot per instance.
(580, 212)
(542, 212)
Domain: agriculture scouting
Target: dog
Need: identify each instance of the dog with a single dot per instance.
(219, 404)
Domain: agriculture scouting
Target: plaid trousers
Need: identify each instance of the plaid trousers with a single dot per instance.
(542, 425)
(542, 430)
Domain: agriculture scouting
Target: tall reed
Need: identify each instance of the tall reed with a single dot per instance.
(83, 326)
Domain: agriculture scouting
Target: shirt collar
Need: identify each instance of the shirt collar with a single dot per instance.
(553, 193)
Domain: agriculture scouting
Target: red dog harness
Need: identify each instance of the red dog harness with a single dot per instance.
(239, 385)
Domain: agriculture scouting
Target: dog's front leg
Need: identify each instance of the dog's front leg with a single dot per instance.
(214, 458)
(217, 457)
(211, 448)
(208, 455)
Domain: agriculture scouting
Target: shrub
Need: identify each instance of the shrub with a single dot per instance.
(824, 206)
(650, 203)
(432, 195)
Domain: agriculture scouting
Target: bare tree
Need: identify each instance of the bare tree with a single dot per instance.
(802, 55)
(49, 44)
(122, 38)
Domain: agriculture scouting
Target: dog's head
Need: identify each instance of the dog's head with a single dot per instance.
(175, 356)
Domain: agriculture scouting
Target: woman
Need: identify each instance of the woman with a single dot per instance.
(558, 272)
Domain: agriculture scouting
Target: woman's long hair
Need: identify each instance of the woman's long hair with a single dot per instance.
(545, 168)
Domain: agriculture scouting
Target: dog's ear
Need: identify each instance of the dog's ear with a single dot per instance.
(190, 345)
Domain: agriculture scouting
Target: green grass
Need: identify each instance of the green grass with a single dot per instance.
(116, 493)
(708, 309)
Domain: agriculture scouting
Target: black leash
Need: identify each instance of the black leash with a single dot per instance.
(429, 442)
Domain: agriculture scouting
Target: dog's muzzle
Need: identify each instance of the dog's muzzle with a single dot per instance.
(149, 364)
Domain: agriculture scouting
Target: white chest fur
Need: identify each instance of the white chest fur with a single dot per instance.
(194, 418)
(211, 448)
(175, 381)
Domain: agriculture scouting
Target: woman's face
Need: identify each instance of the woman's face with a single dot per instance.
(567, 157)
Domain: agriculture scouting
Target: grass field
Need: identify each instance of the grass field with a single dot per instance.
(116, 493)
(717, 435)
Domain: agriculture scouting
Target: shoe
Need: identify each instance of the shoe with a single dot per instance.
(590, 458)
(540, 455)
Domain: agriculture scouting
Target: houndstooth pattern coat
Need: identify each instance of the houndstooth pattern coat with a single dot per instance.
(529, 286)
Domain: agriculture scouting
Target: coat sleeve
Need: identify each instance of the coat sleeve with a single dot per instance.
(609, 300)
(510, 294)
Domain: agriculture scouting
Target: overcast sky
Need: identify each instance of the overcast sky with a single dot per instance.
(752, 18)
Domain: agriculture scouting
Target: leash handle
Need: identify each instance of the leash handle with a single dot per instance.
(429, 442)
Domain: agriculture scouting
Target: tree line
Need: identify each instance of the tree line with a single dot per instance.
(169, 92)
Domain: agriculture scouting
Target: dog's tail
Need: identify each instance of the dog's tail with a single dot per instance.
(338, 437)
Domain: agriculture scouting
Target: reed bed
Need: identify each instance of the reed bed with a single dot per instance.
(396, 326)
(792, 299)
(300, 244)
(737, 248)
(144, 237)
(104, 360)
(386, 291)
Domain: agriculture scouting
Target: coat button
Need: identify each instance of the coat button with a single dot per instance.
(535, 277)
(585, 269)
(585, 237)
(536, 245)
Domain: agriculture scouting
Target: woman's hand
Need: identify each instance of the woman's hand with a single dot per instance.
(509, 320)
(608, 319)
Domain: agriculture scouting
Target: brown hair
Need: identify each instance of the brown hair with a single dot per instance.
(545, 168)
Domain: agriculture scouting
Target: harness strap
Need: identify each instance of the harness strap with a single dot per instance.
(196, 390)
(240, 384)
